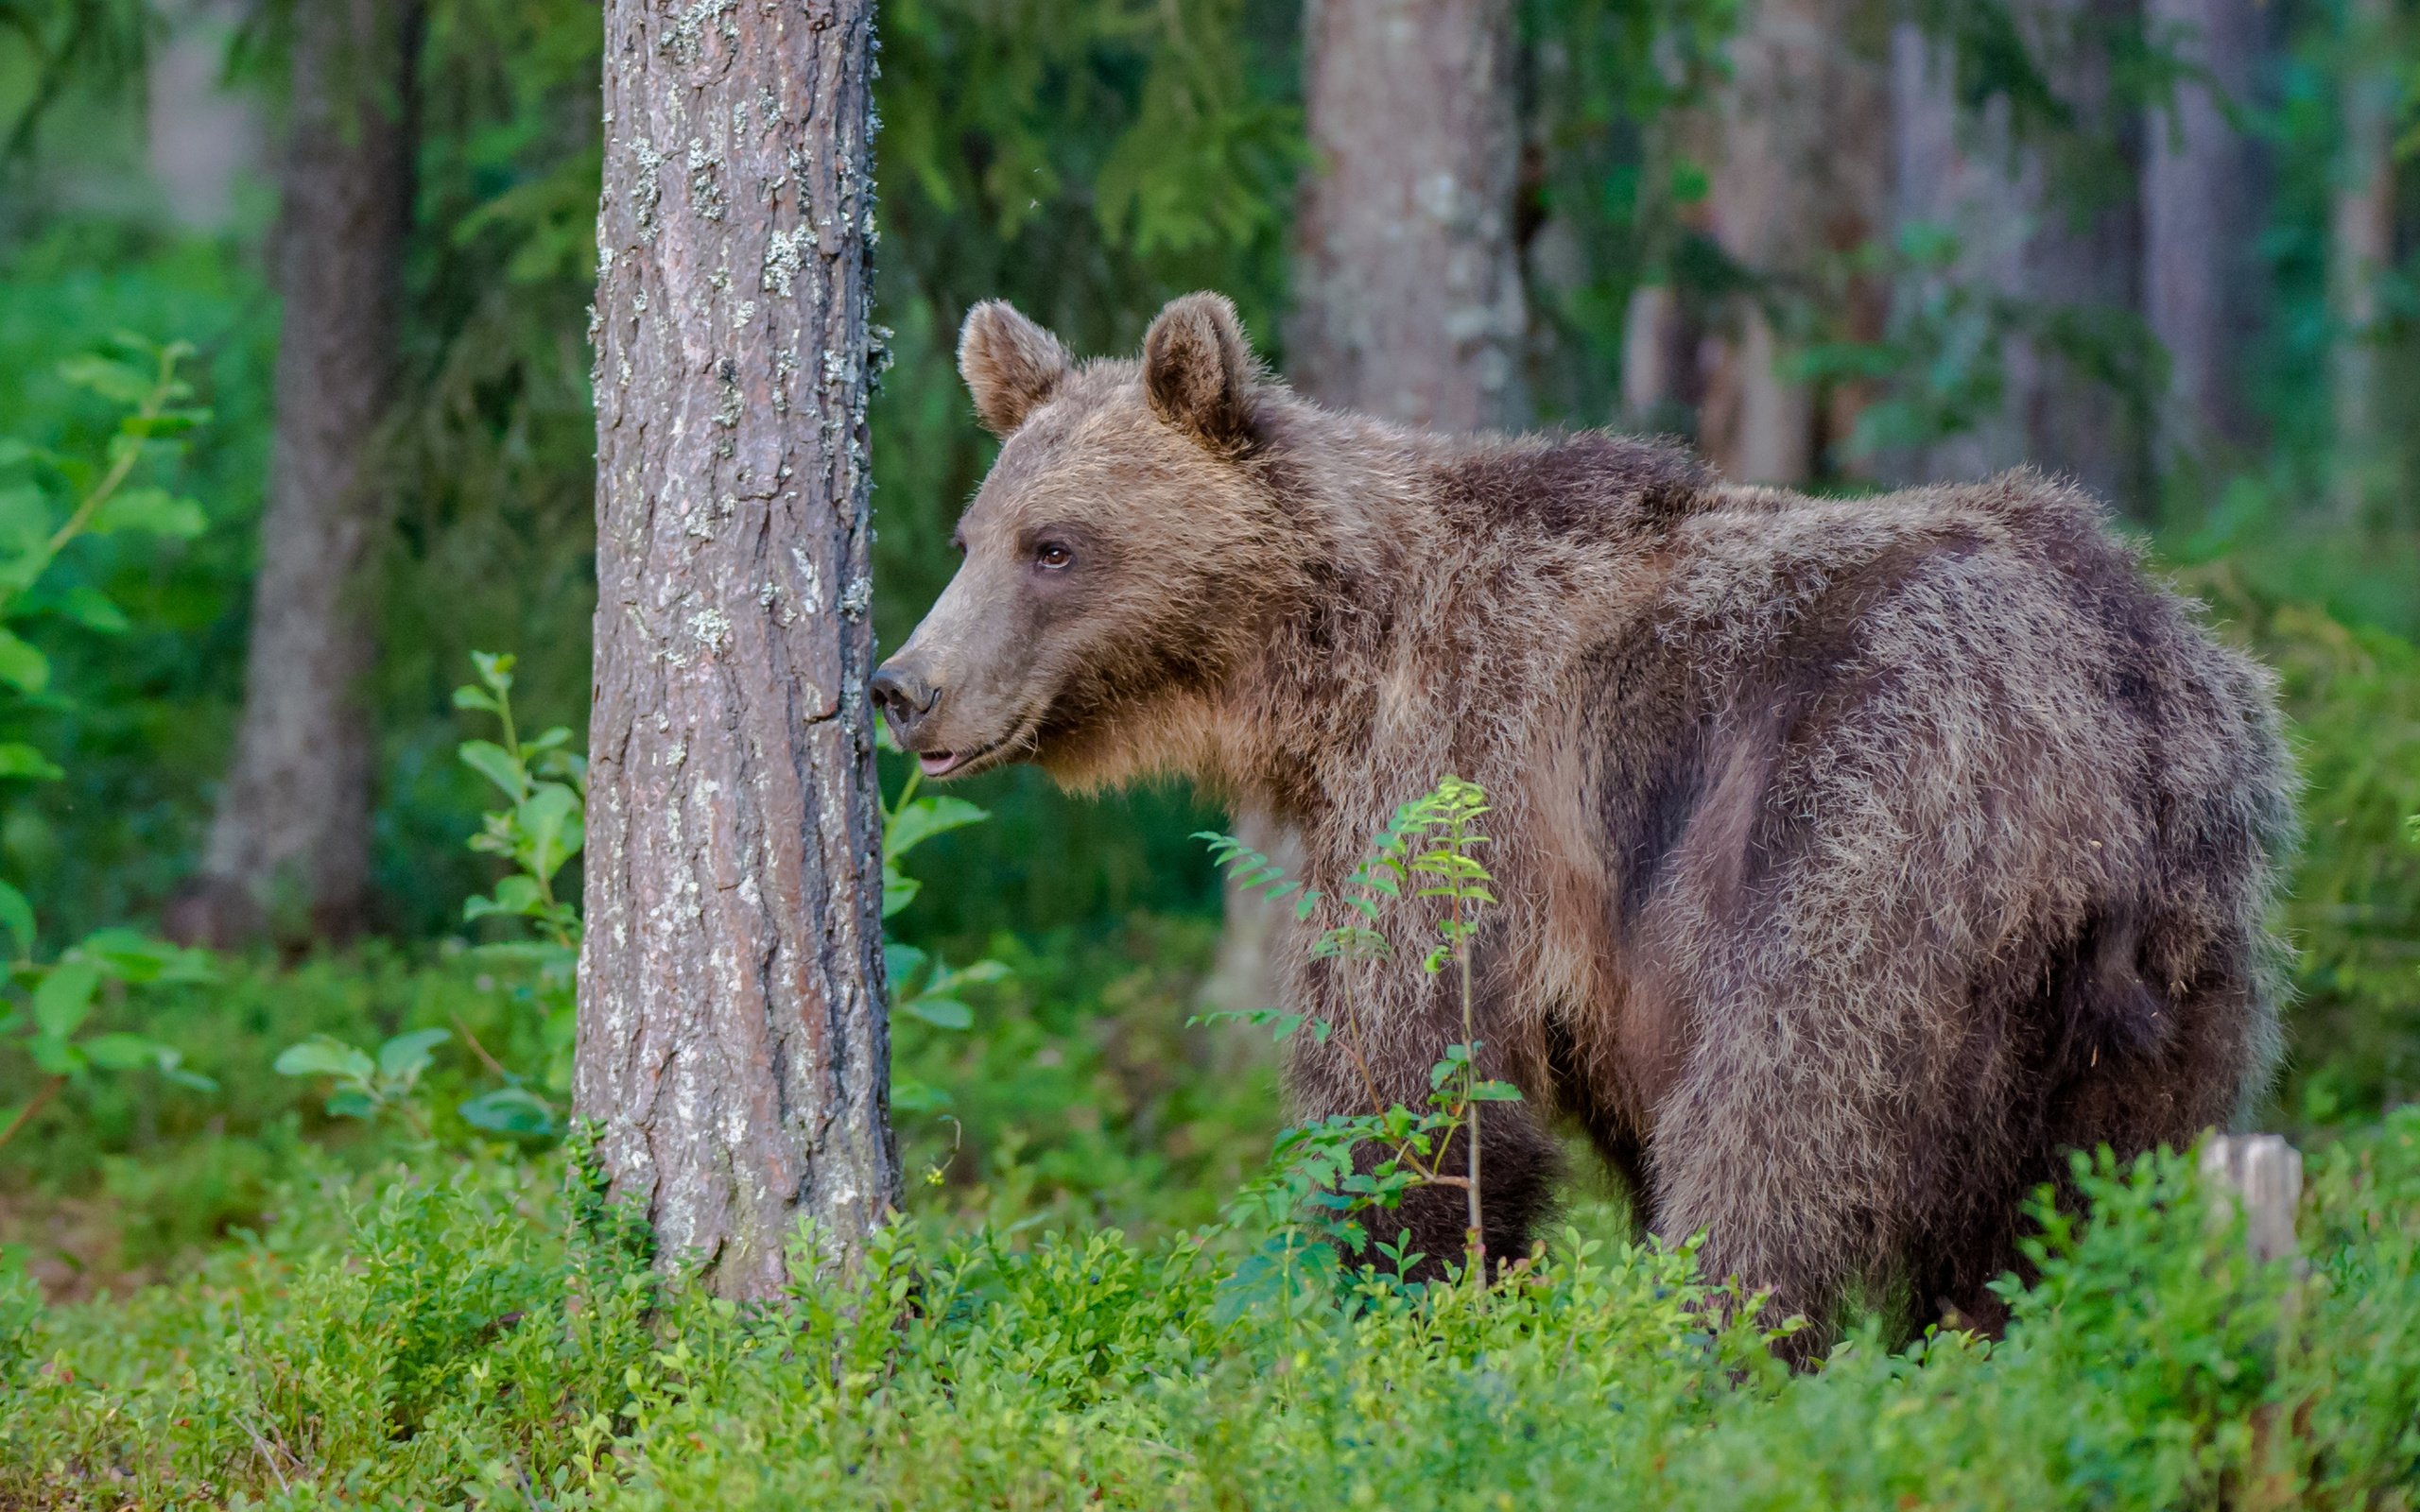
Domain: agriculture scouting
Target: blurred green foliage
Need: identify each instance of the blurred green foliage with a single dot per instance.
(2354, 910)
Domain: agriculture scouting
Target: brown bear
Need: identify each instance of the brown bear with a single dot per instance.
(1858, 857)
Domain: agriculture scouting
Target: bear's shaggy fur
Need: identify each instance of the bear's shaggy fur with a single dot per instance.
(1858, 857)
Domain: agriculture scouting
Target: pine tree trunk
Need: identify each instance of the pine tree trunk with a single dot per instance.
(289, 845)
(1962, 176)
(1408, 283)
(2071, 263)
(204, 139)
(2360, 250)
(1799, 184)
(733, 1046)
(2084, 265)
(2203, 195)
(1658, 360)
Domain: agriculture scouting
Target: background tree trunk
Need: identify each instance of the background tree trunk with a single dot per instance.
(2360, 250)
(2203, 197)
(733, 1043)
(1658, 361)
(1961, 175)
(290, 840)
(1799, 182)
(1407, 280)
(204, 140)
(2084, 271)
(1407, 297)
(2067, 262)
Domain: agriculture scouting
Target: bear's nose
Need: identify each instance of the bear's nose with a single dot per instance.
(905, 698)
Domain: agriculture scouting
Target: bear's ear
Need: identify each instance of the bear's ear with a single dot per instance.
(1009, 364)
(1198, 372)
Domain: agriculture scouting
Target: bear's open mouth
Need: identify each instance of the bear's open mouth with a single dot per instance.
(943, 763)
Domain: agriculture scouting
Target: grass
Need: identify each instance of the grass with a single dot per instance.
(456, 1330)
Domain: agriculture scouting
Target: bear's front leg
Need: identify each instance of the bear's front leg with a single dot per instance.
(1518, 1163)
(1518, 1170)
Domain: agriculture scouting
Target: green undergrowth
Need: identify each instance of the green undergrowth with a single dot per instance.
(1078, 1093)
(454, 1332)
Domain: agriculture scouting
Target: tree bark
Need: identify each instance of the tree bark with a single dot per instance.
(1799, 183)
(733, 1046)
(1407, 280)
(290, 844)
(2203, 195)
(2360, 250)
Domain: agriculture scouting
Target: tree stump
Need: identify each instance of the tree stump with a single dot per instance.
(2264, 1176)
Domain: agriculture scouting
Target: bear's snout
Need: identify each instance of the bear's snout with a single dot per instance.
(905, 697)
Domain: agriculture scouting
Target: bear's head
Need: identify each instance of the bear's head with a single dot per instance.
(1118, 559)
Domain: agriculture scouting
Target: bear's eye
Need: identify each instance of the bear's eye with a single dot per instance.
(1051, 556)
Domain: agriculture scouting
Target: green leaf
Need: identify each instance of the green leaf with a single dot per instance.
(167, 423)
(495, 669)
(898, 889)
(496, 764)
(17, 916)
(517, 896)
(353, 1102)
(901, 962)
(131, 956)
(941, 1013)
(90, 607)
(552, 820)
(118, 382)
(124, 1052)
(20, 667)
(55, 1055)
(26, 517)
(925, 818)
(65, 999)
(324, 1055)
(405, 1057)
(467, 696)
(908, 1095)
(173, 1069)
(154, 509)
(17, 759)
(510, 1110)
